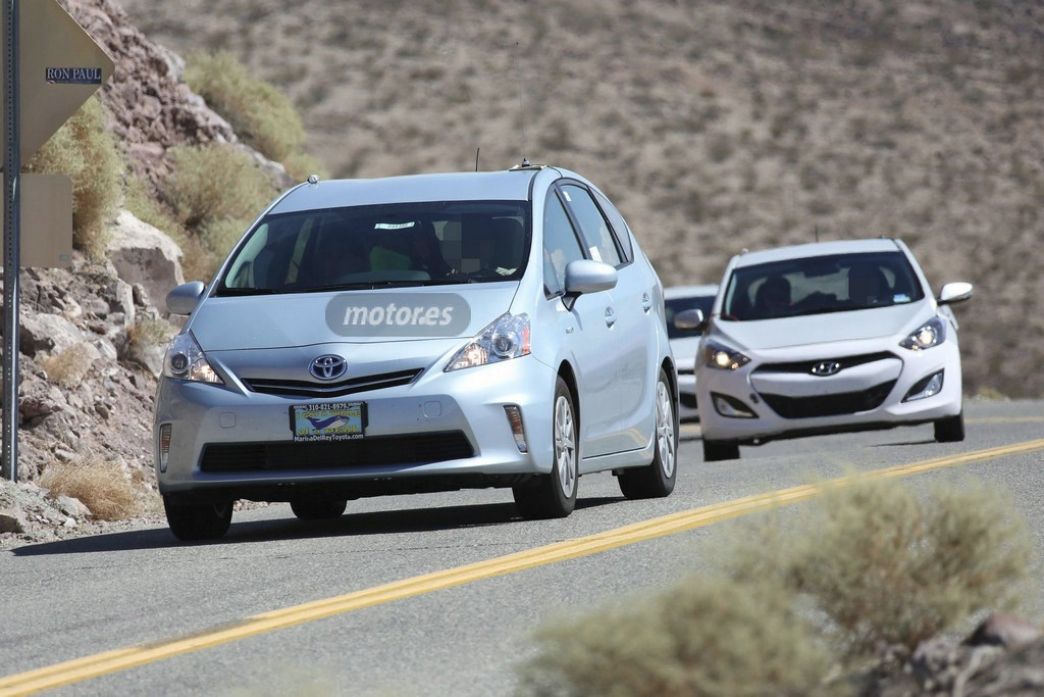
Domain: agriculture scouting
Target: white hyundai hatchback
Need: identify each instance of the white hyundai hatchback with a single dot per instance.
(826, 338)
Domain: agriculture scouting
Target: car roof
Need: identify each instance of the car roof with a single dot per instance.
(816, 249)
(455, 186)
(690, 291)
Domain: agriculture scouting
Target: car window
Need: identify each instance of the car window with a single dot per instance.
(616, 219)
(595, 230)
(560, 245)
(437, 243)
(818, 285)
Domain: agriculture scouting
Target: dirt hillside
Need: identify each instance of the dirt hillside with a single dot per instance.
(717, 125)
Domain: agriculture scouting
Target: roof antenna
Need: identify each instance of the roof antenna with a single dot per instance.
(815, 228)
(521, 105)
(477, 150)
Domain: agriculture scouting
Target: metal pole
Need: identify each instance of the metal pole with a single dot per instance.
(12, 196)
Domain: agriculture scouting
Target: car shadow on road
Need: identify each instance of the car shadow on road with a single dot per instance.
(930, 441)
(410, 520)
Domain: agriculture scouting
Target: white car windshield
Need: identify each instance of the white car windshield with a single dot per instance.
(818, 285)
(408, 244)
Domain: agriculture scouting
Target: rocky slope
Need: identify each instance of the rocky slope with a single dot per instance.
(717, 125)
(92, 336)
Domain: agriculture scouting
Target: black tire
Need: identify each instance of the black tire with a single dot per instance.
(309, 509)
(197, 522)
(656, 480)
(547, 496)
(717, 450)
(950, 429)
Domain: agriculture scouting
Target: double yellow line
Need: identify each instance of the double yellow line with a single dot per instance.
(122, 659)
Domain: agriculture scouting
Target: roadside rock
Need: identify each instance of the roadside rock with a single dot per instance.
(47, 332)
(74, 508)
(145, 256)
(12, 520)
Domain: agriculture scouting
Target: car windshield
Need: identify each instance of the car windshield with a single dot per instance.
(675, 305)
(817, 285)
(408, 244)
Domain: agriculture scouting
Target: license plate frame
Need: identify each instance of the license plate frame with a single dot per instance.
(328, 421)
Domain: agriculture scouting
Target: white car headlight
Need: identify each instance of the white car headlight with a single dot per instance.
(506, 338)
(931, 333)
(184, 360)
(722, 357)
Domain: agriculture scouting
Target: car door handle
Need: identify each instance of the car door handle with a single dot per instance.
(646, 303)
(610, 317)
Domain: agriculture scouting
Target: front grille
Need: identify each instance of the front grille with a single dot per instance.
(829, 405)
(806, 366)
(417, 449)
(300, 388)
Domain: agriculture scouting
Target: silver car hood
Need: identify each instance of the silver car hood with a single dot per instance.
(824, 328)
(280, 321)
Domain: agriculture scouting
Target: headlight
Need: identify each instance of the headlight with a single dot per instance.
(932, 333)
(506, 338)
(185, 361)
(722, 357)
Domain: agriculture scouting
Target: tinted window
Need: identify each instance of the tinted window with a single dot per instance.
(560, 245)
(817, 285)
(675, 305)
(623, 232)
(367, 246)
(593, 226)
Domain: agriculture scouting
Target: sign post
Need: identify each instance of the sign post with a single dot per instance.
(12, 244)
(45, 80)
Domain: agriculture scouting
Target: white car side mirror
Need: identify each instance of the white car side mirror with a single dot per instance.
(953, 293)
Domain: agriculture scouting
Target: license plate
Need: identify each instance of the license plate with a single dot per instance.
(328, 422)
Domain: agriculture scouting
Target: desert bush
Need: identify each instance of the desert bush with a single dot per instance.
(708, 636)
(890, 568)
(262, 115)
(215, 182)
(84, 150)
(67, 368)
(142, 202)
(101, 486)
(149, 332)
(219, 236)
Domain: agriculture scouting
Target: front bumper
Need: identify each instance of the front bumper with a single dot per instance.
(469, 401)
(784, 418)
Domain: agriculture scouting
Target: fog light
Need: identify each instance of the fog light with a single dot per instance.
(164, 446)
(518, 430)
(731, 408)
(925, 388)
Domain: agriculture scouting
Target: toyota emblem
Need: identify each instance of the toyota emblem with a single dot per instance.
(328, 367)
(824, 368)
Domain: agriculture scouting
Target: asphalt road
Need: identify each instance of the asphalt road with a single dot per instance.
(66, 600)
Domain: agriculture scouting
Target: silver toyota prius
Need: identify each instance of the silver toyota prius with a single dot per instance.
(419, 334)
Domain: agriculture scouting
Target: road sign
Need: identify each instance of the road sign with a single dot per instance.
(46, 209)
(50, 67)
(60, 67)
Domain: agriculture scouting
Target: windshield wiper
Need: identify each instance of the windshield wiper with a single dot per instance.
(227, 292)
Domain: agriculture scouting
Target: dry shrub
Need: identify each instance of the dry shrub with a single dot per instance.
(212, 182)
(262, 115)
(84, 150)
(870, 567)
(149, 332)
(141, 201)
(708, 636)
(69, 367)
(891, 568)
(219, 236)
(101, 486)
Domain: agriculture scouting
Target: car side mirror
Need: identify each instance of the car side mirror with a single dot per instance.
(585, 276)
(183, 299)
(690, 320)
(953, 293)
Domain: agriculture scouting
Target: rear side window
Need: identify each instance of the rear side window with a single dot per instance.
(595, 229)
(623, 233)
(560, 245)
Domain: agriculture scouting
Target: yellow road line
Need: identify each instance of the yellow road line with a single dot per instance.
(122, 659)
